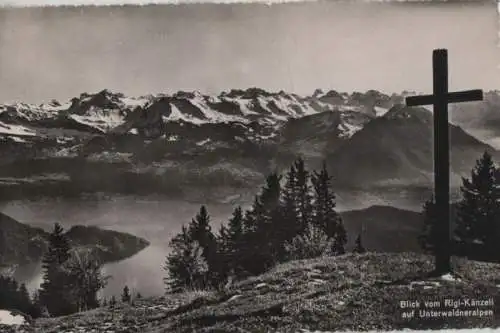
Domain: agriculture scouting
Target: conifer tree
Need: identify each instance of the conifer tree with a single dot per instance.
(248, 239)
(186, 266)
(138, 296)
(340, 240)
(235, 238)
(36, 306)
(427, 239)
(289, 226)
(54, 292)
(223, 249)
(312, 243)
(303, 195)
(359, 248)
(200, 231)
(267, 239)
(296, 202)
(14, 296)
(126, 295)
(24, 299)
(230, 240)
(259, 242)
(7, 292)
(478, 213)
(325, 216)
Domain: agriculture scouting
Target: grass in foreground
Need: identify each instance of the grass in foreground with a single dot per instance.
(350, 292)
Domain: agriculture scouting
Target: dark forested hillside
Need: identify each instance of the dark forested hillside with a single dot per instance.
(22, 244)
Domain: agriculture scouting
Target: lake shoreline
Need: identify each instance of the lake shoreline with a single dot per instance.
(153, 218)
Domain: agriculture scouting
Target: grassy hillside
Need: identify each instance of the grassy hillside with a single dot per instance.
(351, 292)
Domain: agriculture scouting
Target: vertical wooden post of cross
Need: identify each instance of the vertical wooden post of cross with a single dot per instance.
(439, 100)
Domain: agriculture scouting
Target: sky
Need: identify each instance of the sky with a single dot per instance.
(60, 52)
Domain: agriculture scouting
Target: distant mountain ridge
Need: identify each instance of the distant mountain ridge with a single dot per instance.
(196, 146)
(105, 111)
(398, 147)
(384, 228)
(483, 115)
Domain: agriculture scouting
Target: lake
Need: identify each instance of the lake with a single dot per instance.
(154, 219)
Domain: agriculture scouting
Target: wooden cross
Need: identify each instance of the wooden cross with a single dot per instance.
(440, 99)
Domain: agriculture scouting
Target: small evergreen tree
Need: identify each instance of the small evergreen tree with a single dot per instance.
(478, 213)
(54, 292)
(186, 266)
(36, 306)
(359, 248)
(312, 243)
(223, 251)
(7, 292)
(427, 239)
(14, 296)
(126, 295)
(138, 296)
(24, 300)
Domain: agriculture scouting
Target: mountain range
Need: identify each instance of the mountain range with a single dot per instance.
(201, 147)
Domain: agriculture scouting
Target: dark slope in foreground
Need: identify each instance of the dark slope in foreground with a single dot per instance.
(350, 292)
(22, 244)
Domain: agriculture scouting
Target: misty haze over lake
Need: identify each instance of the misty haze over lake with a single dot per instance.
(153, 219)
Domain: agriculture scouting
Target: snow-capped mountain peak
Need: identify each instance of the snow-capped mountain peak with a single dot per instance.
(106, 111)
(400, 111)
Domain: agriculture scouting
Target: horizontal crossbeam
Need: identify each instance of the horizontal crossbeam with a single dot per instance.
(452, 97)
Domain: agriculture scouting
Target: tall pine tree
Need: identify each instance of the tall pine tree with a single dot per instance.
(231, 243)
(296, 205)
(303, 195)
(200, 231)
(54, 292)
(478, 213)
(259, 243)
(289, 226)
(325, 216)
